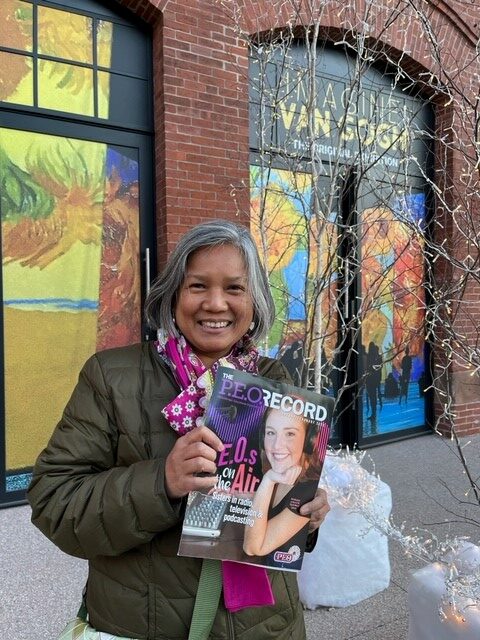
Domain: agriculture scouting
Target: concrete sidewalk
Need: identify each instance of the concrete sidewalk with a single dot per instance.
(40, 587)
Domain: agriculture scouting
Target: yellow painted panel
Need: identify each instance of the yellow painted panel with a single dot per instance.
(71, 272)
(65, 35)
(103, 94)
(104, 43)
(16, 78)
(24, 147)
(74, 275)
(43, 355)
(65, 87)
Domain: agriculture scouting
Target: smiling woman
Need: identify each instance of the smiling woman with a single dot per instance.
(112, 484)
(214, 308)
(291, 465)
(283, 441)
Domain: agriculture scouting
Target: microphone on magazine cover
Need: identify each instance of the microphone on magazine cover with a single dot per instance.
(228, 412)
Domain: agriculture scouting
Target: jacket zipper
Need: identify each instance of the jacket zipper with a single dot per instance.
(230, 627)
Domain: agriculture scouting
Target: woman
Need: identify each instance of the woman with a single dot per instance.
(291, 471)
(406, 366)
(111, 484)
(374, 378)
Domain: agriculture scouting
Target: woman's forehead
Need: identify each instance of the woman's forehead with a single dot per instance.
(221, 251)
(282, 420)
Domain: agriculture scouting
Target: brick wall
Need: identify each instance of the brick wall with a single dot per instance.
(201, 103)
(201, 117)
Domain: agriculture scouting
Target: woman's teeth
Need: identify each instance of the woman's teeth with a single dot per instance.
(215, 325)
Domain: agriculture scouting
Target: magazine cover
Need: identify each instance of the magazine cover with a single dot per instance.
(275, 437)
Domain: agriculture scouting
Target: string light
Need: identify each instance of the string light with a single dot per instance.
(352, 487)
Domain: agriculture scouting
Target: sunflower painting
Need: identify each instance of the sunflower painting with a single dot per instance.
(71, 281)
(69, 222)
(66, 54)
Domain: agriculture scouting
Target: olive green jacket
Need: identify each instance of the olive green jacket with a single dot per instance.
(98, 493)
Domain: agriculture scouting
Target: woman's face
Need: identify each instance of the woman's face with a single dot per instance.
(214, 307)
(284, 440)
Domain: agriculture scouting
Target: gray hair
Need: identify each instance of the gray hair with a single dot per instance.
(161, 300)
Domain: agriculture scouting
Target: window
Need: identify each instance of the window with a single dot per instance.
(76, 207)
(86, 64)
(344, 246)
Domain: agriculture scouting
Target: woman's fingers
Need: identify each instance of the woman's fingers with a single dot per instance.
(199, 465)
(317, 509)
(190, 465)
(202, 434)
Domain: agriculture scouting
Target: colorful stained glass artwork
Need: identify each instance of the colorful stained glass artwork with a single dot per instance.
(71, 280)
(62, 34)
(16, 20)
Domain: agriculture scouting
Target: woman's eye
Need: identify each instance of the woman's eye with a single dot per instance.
(196, 285)
(236, 288)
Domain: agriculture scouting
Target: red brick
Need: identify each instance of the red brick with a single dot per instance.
(201, 115)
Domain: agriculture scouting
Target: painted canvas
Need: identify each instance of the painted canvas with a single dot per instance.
(71, 281)
(393, 298)
(296, 251)
(390, 305)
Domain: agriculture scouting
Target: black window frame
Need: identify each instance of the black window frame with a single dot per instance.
(113, 133)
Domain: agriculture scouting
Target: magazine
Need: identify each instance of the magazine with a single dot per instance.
(275, 437)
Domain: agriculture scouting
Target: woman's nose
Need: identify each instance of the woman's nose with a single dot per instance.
(215, 300)
(279, 441)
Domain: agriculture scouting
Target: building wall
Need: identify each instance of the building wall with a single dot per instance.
(201, 114)
(201, 117)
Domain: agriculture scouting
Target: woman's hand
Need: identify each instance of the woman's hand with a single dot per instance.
(190, 465)
(289, 476)
(317, 509)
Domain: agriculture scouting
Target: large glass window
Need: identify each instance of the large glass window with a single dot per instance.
(79, 62)
(343, 243)
(76, 208)
(393, 362)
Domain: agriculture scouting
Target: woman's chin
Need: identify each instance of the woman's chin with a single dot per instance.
(280, 469)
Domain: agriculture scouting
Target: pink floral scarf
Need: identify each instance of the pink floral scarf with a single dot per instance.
(243, 585)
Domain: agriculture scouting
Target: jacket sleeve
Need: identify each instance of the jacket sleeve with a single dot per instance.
(80, 500)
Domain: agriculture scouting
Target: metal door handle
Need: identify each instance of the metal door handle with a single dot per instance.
(147, 271)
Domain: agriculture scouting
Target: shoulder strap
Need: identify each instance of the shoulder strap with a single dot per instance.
(82, 612)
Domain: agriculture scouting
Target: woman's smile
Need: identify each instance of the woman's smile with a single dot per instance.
(210, 324)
